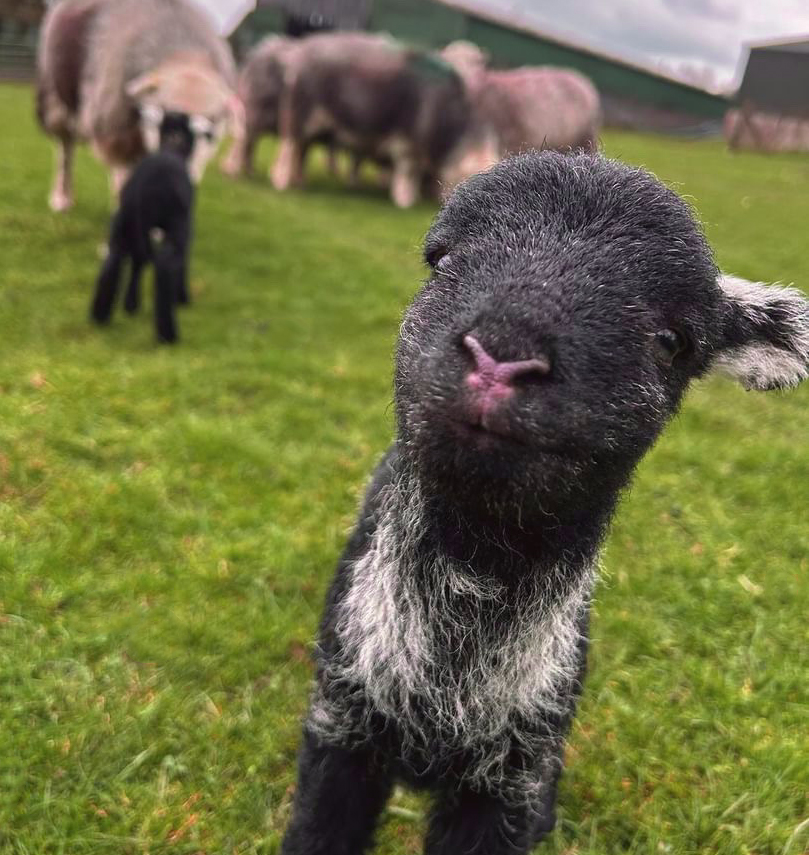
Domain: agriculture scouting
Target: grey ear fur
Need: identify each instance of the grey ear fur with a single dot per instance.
(767, 340)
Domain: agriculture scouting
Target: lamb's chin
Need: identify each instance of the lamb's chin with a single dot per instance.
(484, 471)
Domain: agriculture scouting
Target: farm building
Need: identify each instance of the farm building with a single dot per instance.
(633, 96)
(19, 27)
(772, 112)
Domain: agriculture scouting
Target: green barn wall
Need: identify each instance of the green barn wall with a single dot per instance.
(421, 22)
(265, 20)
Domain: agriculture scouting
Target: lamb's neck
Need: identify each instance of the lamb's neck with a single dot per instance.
(436, 528)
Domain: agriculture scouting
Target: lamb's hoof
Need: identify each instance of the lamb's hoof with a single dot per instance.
(59, 201)
(131, 308)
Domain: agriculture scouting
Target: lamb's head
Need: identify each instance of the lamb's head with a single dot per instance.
(571, 301)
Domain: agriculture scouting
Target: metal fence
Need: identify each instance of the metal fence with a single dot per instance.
(17, 58)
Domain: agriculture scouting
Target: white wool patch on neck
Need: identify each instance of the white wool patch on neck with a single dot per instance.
(447, 653)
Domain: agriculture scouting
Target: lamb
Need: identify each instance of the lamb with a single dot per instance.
(153, 223)
(571, 301)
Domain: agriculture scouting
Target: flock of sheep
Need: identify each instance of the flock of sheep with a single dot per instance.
(571, 300)
(109, 70)
(430, 120)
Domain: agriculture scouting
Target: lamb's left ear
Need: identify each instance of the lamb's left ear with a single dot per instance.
(766, 338)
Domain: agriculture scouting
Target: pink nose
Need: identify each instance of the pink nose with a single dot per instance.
(491, 381)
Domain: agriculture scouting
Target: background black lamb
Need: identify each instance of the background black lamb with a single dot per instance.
(153, 224)
(571, 301)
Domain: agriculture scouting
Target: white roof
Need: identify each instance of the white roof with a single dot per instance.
(227, 14)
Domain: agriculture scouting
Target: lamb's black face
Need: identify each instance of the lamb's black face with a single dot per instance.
(571, 301)
(177, 134)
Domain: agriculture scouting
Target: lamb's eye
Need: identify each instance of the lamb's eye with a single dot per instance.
(669, 344)
(443, 264)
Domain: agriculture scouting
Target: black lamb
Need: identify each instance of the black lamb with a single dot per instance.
(570, 303)
(153, 224)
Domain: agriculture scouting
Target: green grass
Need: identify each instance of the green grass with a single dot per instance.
(170, 518)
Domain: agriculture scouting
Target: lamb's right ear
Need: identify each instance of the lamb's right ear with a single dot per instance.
(766, 337)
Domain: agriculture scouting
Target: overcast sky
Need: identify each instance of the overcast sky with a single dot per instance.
(677, 34)
(696, 37)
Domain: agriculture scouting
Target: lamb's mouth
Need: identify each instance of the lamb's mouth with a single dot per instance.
(483, 436)
(474, 430)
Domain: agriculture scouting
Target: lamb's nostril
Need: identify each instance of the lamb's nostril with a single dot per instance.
(488, 371)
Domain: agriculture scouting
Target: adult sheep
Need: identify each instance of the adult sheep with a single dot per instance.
(380, 99)
(109, 69)
(541, 107)
(571, 301)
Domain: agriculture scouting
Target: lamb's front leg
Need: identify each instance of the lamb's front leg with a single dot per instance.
(132, 299)
(338, 801)
(472, 823)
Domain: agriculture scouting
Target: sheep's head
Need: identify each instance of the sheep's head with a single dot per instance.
(571, 301)
(185, 86)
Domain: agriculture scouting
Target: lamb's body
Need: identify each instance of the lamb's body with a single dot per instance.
(571, 301)
(399, 627)
(152, 225)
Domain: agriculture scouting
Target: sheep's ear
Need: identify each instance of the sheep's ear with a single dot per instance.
(766, 339)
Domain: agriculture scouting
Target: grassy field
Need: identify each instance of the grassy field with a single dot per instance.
(170, 518)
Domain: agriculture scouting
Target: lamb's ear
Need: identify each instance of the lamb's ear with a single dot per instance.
(766, 338)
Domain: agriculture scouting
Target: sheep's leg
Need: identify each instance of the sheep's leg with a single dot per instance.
(168, 270)
(404, 188)
(332, 161)
(239, 160)
(467, 823)
(383, 176)
(107, 284)
(132, 299)
(61, 197)
(552, 765)
(355, 170)
(287, 171)
(118, 177)
(338, 801)
(180, 238)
